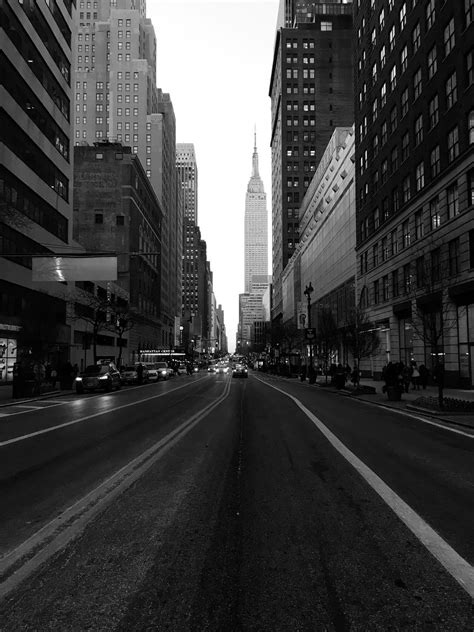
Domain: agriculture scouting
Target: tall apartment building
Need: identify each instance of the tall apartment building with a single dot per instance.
(311, 90)
(415, 179)
(116, 99)
(35, 176)
(256, 225)
(188, 179)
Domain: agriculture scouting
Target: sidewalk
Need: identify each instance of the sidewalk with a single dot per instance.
(408, 400)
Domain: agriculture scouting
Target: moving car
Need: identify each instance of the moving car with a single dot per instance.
(223, 368)
(96, 377)
(212, 368)
(240, 370)
(164, 371)
(181, 370)
(152, 371)
(129, 375)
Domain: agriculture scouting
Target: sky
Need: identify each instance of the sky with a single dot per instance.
(215, 59)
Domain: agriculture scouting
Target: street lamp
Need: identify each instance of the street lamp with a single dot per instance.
(311, 376)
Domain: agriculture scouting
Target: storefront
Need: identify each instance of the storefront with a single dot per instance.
(8, 351)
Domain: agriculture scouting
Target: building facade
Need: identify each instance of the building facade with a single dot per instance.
(414, 127)
(116, 100)
(325, 256)
(255, 226)
(35, 177)
(311, 91)
(116, 210)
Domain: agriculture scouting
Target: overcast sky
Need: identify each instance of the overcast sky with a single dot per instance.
(214, 58)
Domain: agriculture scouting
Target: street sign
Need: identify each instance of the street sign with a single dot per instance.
(310, 333)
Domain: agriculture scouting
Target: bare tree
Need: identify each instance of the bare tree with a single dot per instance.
(327, 335)
(360, 335)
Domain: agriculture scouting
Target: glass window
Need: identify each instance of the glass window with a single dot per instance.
(453, 144)
(406, 191)
(432, 62)
(420, 176)
(435, 215)
(405, 146)
(418, 129)
(449, 38)
(451, 91)
(430, 14)
(433, 111)
(452, 200)
(404, 102)
(417, 84)
(419, 224)
(435, 161)
(416, 37)
(404, 59)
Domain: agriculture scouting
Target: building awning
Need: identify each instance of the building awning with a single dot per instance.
(463, 293)
(429, 302)
(402, 310)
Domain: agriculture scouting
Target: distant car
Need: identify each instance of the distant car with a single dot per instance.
(223, 368)
(240, 370)
(152, 371)
(181, 369)
(212, 368)
(97, 377)
(164, 371)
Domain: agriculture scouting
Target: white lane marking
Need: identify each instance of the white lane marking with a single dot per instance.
(456, 565)
(25, 406)
(81, 419)
(51, 401)
(55, 535)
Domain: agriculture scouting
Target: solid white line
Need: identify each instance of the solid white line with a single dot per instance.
(456, 565)
(81, 419)
(31, 407)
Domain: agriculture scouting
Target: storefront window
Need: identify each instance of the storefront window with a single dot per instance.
(8, 348)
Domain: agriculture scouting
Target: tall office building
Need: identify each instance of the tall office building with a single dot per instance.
(256, 225)
(35, 176)
(116, 99)
(311, 93)
(414, 94)
(188, 179)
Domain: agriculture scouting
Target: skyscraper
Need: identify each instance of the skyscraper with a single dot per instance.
(35, 176)
(256, 225)
(311, 93)
(116, 99)
(188, 179)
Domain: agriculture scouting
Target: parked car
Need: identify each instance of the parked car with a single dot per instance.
(152, 371)
(129, 375)
(96, 377)
(240, 370)
(164, 371)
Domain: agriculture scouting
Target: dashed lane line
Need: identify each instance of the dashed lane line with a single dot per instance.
(456, 565)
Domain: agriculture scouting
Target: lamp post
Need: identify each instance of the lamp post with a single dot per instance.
(310, 334)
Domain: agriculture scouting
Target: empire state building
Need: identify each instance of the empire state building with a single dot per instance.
(256, 226)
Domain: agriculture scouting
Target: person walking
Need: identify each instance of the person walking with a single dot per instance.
(424, 375)
(140, 373)
(415, 376)
(406, 375)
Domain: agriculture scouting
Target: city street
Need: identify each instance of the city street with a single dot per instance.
(212, 503)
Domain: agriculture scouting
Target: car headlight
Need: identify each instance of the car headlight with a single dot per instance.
(78, 379)
(104, 377)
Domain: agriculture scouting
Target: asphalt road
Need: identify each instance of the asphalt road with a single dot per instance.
(244, 516)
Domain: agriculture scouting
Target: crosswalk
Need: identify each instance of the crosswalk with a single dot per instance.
(39, 404)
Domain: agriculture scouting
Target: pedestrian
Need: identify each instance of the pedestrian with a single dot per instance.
(53, 377)
(406, 376)
(424, 374)
(140, 373)
(355, 376)
(415, 376)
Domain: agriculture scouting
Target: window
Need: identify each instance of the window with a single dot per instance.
(406, 192)
(375, 145)
(417, 84)
(385, 249)
(391, 37)
(99, 218)
(435, 216)
(453, 144)
(452, 200)
(418, 130)
(451, 91)
(420, 176)
(404, 59)
(468, 12)
(395, 284)
(375, 255)
(403, 16)
(435, 162)
(394, 159)
(416, 37)
(435, 264)
(376, 292)
(433, 111)
(406, 278)
(420, 271)
(385, 211)
(376, 218)
(405, 146)
(449, 37)
(430, 14)
(120, 220)
(382, 56)
(471, 248)
(383, 133)
(394, 241)
(383, 95)
(395, 201)
(453, 253)
(432, 62)
(470, 67)
(393, 119)
(384, 170)
(470, 187)
(419, 224)
(404, 102)
(381, 19)
(393, 78)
